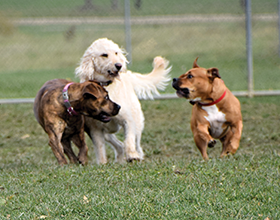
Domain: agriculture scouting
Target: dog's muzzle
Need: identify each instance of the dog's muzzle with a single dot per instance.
(115, 73)
(116, 109)
(181, 92)
(106, 117)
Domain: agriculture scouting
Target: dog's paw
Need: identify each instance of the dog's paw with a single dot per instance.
(211, 143)
(133, 157)
(130, 160)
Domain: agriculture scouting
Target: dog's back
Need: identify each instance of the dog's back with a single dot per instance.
(46, 89)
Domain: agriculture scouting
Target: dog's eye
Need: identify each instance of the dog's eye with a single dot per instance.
(116, 53)
(107, 97)
(104, 55)
(189, 76)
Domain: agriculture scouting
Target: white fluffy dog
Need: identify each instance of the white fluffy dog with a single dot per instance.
(105, 62)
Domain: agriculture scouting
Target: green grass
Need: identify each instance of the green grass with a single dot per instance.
(171, 183)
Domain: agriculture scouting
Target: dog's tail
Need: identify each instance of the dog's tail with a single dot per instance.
(145, 85)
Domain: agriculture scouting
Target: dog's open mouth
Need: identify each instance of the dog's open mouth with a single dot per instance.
(183, 93)
(103, 116)
(113, 73)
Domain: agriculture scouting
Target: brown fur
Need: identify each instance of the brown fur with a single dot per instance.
(206, 85)
(88, 98)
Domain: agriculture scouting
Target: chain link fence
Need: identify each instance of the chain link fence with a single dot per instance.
(43, 40)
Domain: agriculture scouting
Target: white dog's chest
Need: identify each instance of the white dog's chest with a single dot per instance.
(216, 119)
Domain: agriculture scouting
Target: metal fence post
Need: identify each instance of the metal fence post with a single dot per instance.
(249, 49)
(128, 30)
(279, 27)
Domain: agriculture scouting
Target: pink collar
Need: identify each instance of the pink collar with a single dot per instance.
(67, 104)
(215, 102)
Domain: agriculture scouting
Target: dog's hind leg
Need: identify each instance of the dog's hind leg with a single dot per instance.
(117, 146)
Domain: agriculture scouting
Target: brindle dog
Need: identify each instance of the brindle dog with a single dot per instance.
(60, 107)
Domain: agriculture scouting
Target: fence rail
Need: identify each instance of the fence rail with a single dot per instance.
(168, 19)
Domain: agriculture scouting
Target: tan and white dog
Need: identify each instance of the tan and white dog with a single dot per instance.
(216, 112)
(105, 62)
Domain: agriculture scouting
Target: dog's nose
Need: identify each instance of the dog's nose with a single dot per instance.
(175, 83)
(118, 66)
(116, 109)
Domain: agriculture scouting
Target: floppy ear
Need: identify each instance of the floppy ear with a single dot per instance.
(89, 91)
(87, 95)
(86, 69)
(213, 73)
(195, 63)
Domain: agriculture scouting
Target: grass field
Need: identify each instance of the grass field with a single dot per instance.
(171, 183)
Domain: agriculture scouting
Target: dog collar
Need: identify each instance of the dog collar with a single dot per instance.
(105, 83)
(215, 102)
(102, 83)
(67, 104)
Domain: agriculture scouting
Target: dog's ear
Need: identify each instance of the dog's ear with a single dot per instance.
(89, 91)
(213, 73)
(195, 63)
(88, 95)
(85, 71)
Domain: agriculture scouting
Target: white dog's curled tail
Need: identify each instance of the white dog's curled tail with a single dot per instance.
(146, 85)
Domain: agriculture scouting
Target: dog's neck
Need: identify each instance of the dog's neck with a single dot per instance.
(215, 101)
(218, 92)
(102, 83)
(66, 101)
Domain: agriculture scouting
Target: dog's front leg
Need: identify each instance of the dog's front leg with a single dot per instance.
(117, 146)
(202, 139)
(79, 141)
(66, 143)
(98, 140)
(57, 148)
(130, 144)
(231, 140)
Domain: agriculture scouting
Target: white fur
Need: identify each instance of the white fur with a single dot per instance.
(197, 99)
(216, 119)
(95, 66)
(125, 90)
